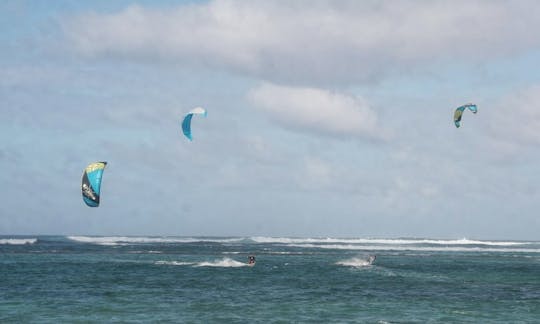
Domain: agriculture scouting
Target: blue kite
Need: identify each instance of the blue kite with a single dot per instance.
(459, 112)
(91, 183)
(186, 123)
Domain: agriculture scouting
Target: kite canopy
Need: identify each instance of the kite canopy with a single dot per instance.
(459, 112)
(186, 123)
(91, 183)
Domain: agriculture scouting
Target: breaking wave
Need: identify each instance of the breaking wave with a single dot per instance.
(124, 240)
(414, 248)
(22, 241)
(463, 241)
(355, 262)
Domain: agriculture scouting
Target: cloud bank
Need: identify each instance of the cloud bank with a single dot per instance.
(312, 41)
(317, 111)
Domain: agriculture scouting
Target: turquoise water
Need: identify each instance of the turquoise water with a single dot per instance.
(173, 279)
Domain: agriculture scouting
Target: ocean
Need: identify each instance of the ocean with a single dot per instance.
(74, 279)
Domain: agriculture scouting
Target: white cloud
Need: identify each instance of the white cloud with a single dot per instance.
(312, 41)
(317, 111)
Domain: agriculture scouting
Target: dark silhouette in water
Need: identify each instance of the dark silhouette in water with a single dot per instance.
(251, 260)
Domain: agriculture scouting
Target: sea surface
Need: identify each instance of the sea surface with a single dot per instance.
(74, 279)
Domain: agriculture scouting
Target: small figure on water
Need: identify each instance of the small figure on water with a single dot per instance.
(251, 260)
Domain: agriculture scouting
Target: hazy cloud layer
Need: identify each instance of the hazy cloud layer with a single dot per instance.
(312, 41)
(516, 119)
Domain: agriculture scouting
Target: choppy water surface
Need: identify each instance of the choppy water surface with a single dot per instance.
(189, 279)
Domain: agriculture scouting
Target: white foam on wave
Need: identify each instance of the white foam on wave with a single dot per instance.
(414, 248)
(225, 262)
(175, 263)
(18, 241)
(124, 240)
(354, 262)
(328, 240)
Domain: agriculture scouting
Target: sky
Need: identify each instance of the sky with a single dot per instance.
(325, 118)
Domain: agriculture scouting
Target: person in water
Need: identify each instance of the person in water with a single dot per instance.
(372, 258)
(251, 259)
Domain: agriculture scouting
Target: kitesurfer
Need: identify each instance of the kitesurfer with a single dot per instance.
(251, 260)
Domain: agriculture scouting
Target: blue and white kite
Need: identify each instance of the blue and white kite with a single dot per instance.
(186, 123)
(459, 112)
(91, 183)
